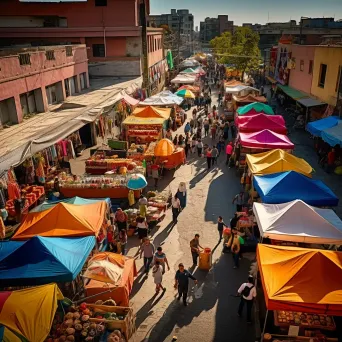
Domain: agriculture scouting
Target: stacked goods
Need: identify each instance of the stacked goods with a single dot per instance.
(95, 182)
(157, 204)
(150, 150)
(135, 148)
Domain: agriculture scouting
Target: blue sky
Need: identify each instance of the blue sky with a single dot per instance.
(252, 11)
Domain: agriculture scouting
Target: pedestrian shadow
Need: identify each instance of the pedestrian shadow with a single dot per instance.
(160, 238)
(138, 283)
(197, 178)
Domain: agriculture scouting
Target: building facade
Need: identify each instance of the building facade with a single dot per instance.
(33, 79)
(214, 27)
(111, 30)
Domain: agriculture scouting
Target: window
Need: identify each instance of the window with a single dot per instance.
(322, 75)
(310, 67)
(50, 55)
(99, 3)
(68, 51)
(338, 81)
(24, 59)
(98, 50)
(301, 66)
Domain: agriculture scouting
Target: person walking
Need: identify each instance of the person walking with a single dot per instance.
(220, 226)
(123, 240)
(160, 256)
(158, 276)
(234, 245)
(199, 147)
(229, 151)
(187, 128)
(121, 219)
(182, 282)
(226, 131)
(206, 127)
(193, 143)
(213, 130)
(155, 174)
(233, 130)
(192, 126)
(175, 202)
(239, 199)
(187, 145)
(142, 205)
(209, 157)
(195, 248)
(147, 250)
(247, 292)
(214, 155)
(142, 227)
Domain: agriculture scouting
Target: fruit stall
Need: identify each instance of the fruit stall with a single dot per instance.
(113, 186)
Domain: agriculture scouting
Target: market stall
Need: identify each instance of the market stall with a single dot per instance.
(277, 161)
(333, 135)
(121, 289)
(316, 127)
(185, 79)
(164, 98)
(303, 288)
(169, 156)
(244, 100)
(290, 185)
(42, 260)
(194, 89)
(265, 139)
(29, 313)
(255, 108)
(258, 122)
(298, 222)
(64, 220)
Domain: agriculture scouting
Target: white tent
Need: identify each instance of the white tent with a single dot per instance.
(184, 78)
(298, 222)
(189, 63)
(239, 88)
(165, 98)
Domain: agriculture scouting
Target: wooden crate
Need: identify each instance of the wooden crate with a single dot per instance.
(126, 326)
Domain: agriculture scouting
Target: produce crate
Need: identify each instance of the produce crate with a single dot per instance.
(117, 144)
(126, 326)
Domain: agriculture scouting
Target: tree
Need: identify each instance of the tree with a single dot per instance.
(239, 49)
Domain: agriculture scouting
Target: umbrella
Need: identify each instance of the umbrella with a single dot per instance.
(136, 182)
(189, 87)
(164, 148)
(186, 94)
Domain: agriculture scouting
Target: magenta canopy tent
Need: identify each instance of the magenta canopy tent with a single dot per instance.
(258, 122)
(265, 139)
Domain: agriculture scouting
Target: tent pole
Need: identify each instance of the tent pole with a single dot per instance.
(263, 330)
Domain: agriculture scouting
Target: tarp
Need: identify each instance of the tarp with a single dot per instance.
(63, 220)
(165, 98)
(265, 139)
(74, 200)
(258, 122)
(333, 135)
(190, 71)
(293, 93)
(185, 79)
(316, 127)
(239, 88)
(300, 279)
(130, 100)
(194, 89)
(30, 312)
(250, 99)
(255, 107)
(232, 83)
(189, 63)
(42, 260)
(164, 148)
(277, 161)
(148, 115)
(8, 247)
(288, 186)
(299, 222)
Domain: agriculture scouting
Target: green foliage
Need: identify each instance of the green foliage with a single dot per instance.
(239, 49)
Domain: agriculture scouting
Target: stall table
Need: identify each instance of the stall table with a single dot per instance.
(118, 192)
(174, 160)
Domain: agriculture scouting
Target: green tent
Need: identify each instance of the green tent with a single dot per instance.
(188, 71)
(169, 59)
(255, 107)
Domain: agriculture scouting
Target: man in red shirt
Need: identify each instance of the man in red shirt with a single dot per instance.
(331, 160)
(229, 151)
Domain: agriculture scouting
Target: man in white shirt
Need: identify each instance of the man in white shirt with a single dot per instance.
(247, 292)
(176, 207)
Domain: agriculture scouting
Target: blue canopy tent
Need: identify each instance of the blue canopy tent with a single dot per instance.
(287, 186)
(74, 200)
(316, 127)
(333, 135)
(8, 247)
(43, 260)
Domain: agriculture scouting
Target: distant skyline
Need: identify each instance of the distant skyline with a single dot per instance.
(252, 11)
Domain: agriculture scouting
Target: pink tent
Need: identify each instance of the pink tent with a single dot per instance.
(258, 122)
(265, 139)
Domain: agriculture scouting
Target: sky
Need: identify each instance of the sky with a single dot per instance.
(252, 11)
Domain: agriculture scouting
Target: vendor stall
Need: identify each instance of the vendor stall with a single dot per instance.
(277, 161)
(290, 185)
(42, 260)
(244, 100)
(303, 288)
(168, 155)
(297, 221)
(316, 127)
(64, 220)
(164, 98)
(29, 313)
(333, 135)
(185, 79)
(258, 122)
(255, 108)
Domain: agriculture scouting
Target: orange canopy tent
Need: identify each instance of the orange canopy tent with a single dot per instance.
(164, 148)
(301, 279)
(121, 290)
(152, 112)
(63, 220)
(250, 99)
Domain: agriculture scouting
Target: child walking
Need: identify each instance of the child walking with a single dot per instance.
(157, 273)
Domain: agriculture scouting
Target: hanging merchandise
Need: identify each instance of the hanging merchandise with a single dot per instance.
(39, 167)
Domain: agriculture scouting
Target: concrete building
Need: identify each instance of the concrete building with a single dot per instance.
(33, 79)
(181, 21)
(111, 30)
(213, 27)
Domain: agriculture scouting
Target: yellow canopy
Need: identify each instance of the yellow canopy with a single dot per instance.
(164, 148)
(29, 312)
(277, 161)
(148, 115)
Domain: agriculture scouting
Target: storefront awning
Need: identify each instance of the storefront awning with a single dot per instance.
(291, 92)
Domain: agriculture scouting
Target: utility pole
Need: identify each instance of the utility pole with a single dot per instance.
(143, 24)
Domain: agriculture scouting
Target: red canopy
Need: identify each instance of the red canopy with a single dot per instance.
(258, 122)
(266, 139)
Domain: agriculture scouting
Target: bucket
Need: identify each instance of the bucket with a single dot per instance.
(207, 250)
(205, 260)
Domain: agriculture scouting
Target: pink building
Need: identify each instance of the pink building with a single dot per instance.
(32, 79)
(111, 30)
(301, 75)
